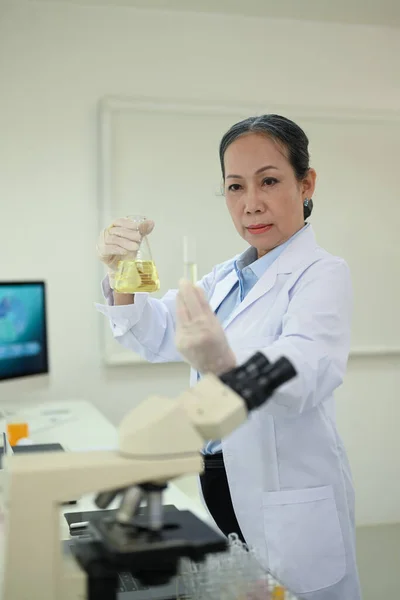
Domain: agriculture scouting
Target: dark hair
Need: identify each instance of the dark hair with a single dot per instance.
(284, 131)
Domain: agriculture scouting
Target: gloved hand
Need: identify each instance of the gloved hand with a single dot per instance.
(119, 241)
(199, 335)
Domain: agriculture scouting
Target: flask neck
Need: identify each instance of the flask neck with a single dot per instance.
(144, 252)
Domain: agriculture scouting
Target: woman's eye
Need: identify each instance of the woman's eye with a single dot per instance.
(269, 181)
(234, 187)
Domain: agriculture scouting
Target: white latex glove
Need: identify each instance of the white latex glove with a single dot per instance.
(119, 241)
(199, 335)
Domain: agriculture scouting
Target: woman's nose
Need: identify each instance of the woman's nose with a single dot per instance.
(253, 203)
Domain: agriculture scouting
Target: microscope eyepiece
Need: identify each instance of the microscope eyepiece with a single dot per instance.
(257, 379)
(279, 373)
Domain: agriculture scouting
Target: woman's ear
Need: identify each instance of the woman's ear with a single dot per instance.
(308, 184)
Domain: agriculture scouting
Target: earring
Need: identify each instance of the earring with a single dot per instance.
(307, 207)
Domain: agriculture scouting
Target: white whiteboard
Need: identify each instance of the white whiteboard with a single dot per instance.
(161, 160)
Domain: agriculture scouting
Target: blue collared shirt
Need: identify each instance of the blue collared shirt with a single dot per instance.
(248, 269)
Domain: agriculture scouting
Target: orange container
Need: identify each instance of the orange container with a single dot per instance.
(17, 431)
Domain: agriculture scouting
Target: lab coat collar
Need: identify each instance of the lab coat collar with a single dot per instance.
(222, 289)
(300, 250)
(249, 258)
(297, 251)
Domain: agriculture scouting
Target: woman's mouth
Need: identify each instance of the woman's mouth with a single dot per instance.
(257, 229)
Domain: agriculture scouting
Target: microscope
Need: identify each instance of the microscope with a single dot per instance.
(159, 441)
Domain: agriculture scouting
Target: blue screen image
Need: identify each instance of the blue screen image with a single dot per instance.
(23, 339)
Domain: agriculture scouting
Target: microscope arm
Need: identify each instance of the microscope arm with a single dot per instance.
(210, 410)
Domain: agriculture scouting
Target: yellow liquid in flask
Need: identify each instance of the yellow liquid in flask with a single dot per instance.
(136, 276)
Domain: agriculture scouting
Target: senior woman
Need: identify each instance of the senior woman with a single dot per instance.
(282, 481)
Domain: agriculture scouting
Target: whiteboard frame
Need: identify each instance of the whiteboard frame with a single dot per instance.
(111, 105)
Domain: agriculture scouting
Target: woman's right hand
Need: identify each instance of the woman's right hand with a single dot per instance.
(121, 240)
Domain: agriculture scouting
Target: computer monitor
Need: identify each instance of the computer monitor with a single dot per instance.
(23, 334)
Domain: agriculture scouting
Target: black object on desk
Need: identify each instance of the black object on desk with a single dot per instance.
(123, 582)
(128, 563)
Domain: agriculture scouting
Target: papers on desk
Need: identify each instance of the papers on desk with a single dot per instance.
(76, 425)
(40, 418)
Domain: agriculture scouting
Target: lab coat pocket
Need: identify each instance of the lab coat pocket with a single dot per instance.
(304, 538)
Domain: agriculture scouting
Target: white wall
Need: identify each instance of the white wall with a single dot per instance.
(56, 61)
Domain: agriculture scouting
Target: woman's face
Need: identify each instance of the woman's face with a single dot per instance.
(263, 195)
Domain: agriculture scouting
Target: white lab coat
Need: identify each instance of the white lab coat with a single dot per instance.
(287, 469)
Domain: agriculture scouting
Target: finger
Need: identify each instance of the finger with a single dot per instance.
(202, 299)
(190, 299)
(114, 251)
(130, 234)
(125, 223)
(123, 243)
(146, 227)
(182, 314)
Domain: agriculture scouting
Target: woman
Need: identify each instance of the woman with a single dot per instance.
(282, 481)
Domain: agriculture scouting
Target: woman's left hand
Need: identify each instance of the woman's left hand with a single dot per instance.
(199, 335)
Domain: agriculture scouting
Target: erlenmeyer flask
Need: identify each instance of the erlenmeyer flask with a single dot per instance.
(139, 273)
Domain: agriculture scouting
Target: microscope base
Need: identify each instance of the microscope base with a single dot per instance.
(152, 558)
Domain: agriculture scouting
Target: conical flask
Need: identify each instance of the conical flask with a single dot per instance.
(139, 273)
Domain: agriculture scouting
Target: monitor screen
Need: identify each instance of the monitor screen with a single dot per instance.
(23, 336)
